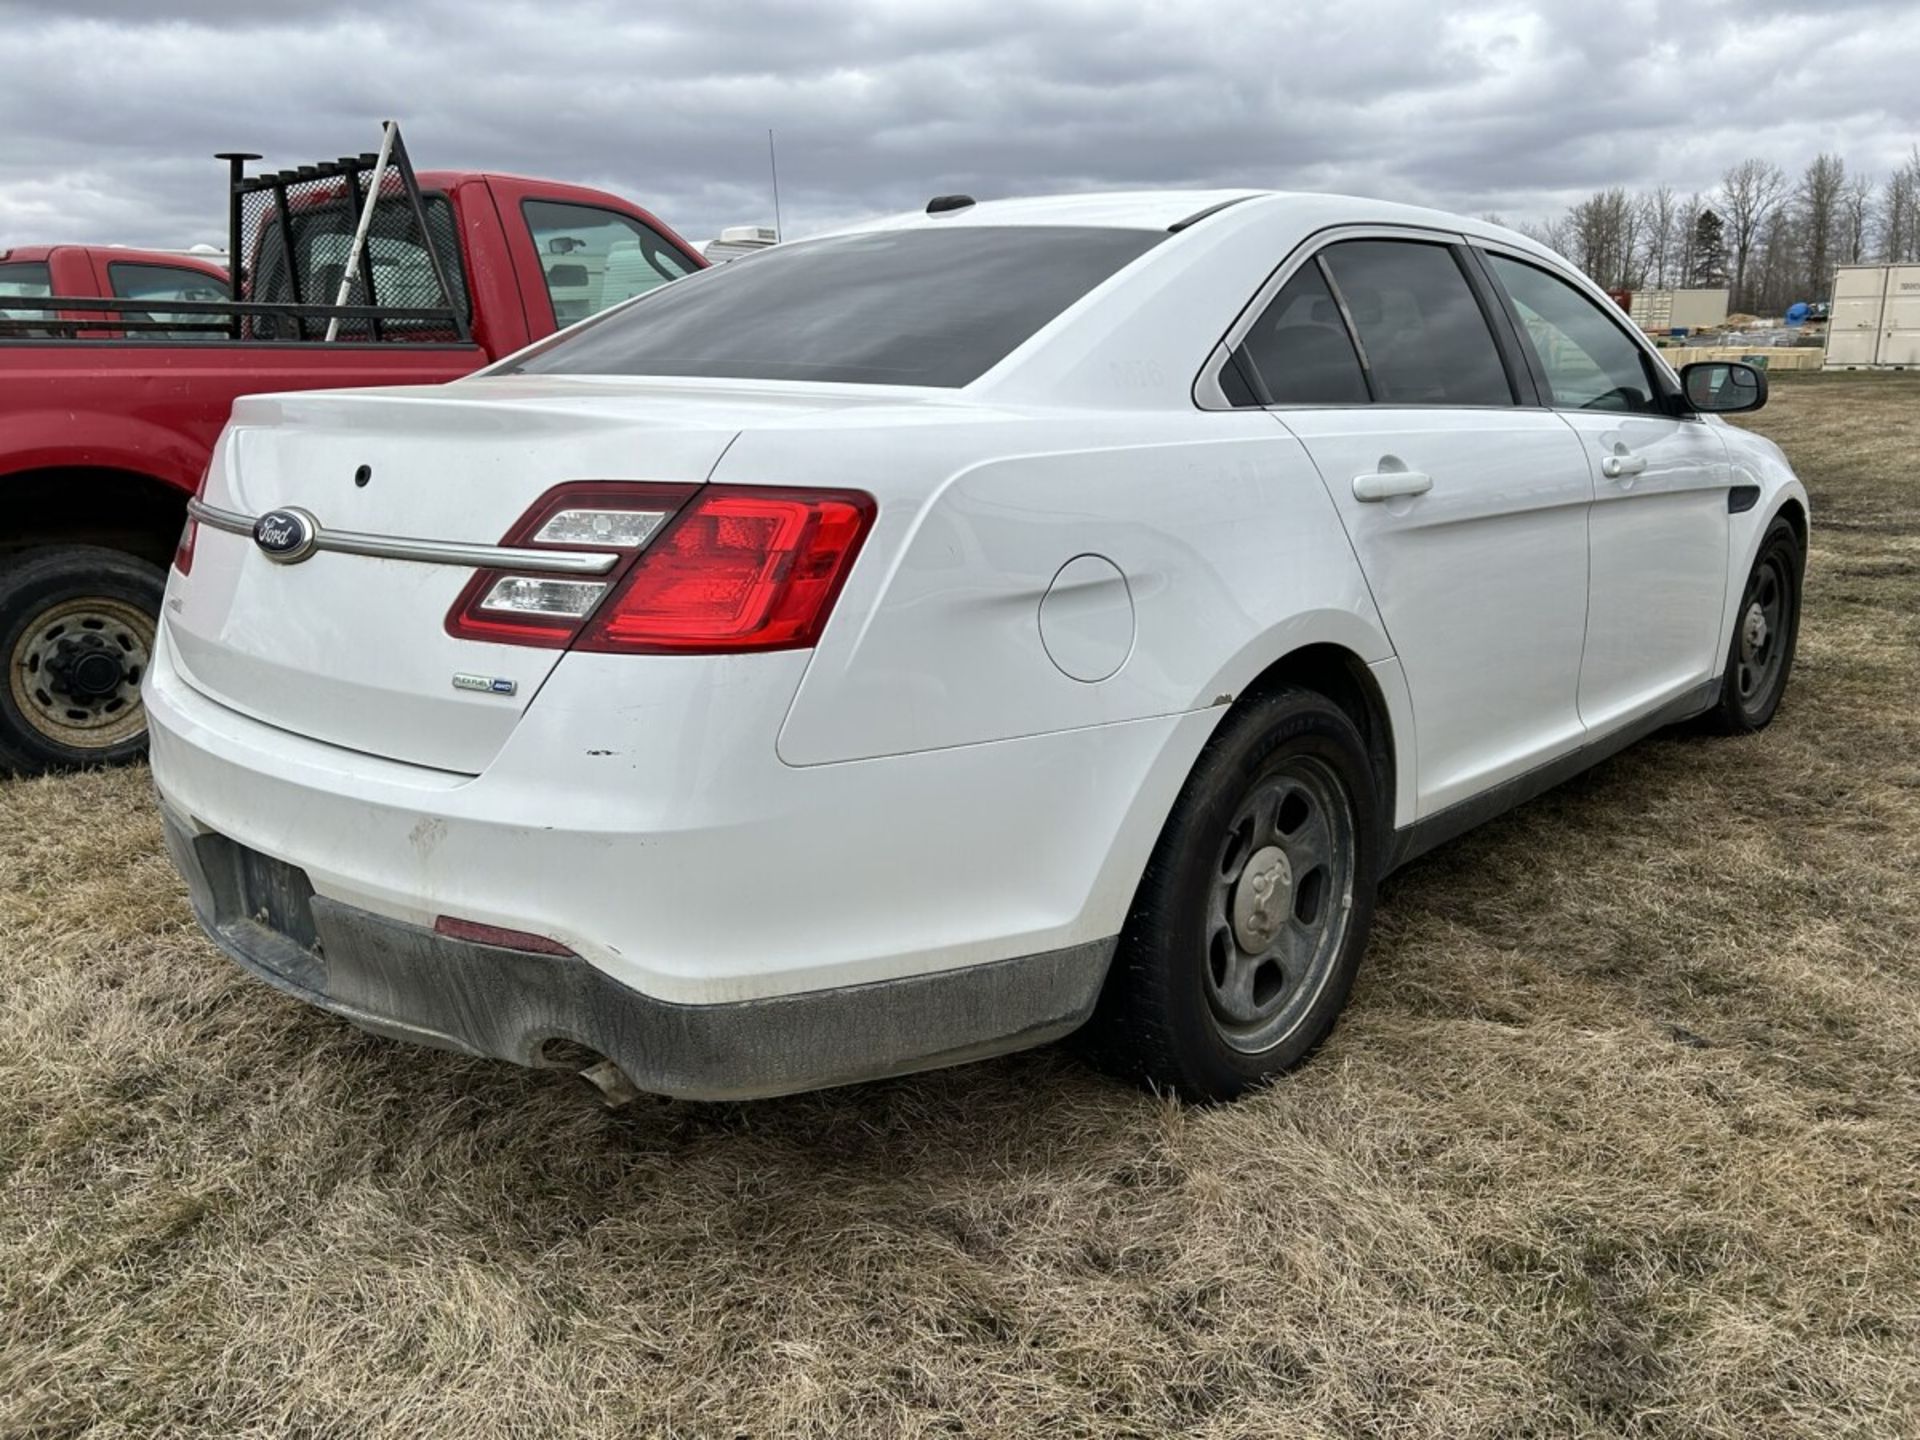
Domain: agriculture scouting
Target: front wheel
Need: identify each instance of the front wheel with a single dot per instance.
(1253, 914)
(1766, 629)
(77, 629)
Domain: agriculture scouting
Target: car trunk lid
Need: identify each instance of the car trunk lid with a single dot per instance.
(353, 649)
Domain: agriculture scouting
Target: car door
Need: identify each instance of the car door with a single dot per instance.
(1467, 512)
(1657, 538)
(587, 258)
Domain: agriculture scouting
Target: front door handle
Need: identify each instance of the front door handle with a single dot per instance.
(1618, 467)
(1387, 484)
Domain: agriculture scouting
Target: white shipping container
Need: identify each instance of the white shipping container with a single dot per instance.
(1875, 321)
(1663, 310)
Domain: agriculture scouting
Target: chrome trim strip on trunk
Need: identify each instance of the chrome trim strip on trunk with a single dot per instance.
(427, 552)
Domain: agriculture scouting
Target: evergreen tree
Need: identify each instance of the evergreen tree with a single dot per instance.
(1708, 261)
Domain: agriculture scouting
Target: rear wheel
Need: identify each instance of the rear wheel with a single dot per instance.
(1252, 917)
(1766, 629)
(76, 634)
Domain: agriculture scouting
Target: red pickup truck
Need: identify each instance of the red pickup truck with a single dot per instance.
(105, 432)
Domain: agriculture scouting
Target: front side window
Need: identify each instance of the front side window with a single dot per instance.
(1589, 363)
(1423, 334)
(30, 280)
(1299, 348)
(883, 307)
(133, 281)
(593, 259)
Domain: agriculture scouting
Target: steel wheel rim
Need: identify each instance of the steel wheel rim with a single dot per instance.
(1760, 646)
(1279, 904)
(74, 674)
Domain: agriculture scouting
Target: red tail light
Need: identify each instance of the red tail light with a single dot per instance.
(737, 569)
(190, 532)
(742, 569)
(183, 553)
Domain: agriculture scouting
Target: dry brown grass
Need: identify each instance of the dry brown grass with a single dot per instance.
(1621, 1136)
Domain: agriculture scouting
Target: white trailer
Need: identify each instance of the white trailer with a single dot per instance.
(1875, 320)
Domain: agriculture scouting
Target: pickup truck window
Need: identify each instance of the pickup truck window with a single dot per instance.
(402, 272)
(885, 307)
(30, 280)
(592, 259)
(132, 281)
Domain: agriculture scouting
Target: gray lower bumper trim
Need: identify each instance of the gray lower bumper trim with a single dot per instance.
(410, 983)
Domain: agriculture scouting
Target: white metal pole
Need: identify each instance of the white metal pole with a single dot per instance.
(366, 221)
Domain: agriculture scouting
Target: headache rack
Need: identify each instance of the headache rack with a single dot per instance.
(345, 249)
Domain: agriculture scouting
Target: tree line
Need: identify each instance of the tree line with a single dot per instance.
(1768, 237)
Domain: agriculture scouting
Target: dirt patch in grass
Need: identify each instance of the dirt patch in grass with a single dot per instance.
(1621, 1136)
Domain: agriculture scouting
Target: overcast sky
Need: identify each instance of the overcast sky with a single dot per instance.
(109, 109)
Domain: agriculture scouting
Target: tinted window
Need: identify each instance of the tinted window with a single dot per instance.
(1300, 349)
(30, 280)
(1589, 362)
(593, 258)
(1425, 338)
(134, 281)
(889, 307)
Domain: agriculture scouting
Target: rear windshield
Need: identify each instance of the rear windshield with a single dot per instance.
(889, 307)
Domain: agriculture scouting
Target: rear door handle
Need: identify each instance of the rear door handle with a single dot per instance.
(1618, 467)
(1387, 484)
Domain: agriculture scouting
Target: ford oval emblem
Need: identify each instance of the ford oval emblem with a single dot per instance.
(286, 536)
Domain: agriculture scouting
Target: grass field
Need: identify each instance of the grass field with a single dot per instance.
(1621, 1135)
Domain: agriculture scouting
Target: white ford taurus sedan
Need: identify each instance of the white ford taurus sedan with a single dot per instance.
(929, 639)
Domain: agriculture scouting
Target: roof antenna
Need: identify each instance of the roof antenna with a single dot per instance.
(773, 164)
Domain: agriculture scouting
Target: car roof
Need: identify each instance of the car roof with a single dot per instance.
(1167, 209)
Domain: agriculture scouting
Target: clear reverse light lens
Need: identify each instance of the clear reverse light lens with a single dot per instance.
(525, 595)
(629, 529)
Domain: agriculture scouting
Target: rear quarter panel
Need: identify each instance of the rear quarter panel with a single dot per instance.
(1231, 552)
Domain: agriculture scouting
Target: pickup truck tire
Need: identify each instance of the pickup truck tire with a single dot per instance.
(76, 633)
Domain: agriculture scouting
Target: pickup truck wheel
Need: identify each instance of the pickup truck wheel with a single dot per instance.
(1252, 916)
(76, 632)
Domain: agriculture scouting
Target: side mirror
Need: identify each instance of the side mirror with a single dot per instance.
(1724, 387)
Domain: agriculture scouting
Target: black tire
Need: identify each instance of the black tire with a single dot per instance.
(1766, 628)
(1175, 1015)
(76, 632)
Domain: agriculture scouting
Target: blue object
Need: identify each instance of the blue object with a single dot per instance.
(1797, 313)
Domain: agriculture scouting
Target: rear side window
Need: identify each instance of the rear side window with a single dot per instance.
(1300, 349)
(1589, 363)
(592, 259)
(1422, 332)
(888, 307)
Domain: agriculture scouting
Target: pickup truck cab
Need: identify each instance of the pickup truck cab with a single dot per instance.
(105, 272)
(104, 434)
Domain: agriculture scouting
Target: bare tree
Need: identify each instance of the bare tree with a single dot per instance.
(1749, 194)
(1658, 212)
(1818, 203)
(1856, 206)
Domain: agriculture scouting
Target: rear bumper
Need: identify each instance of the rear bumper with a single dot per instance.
(409, 983)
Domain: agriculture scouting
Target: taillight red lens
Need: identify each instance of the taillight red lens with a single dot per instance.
(741, 569)
(183, 553)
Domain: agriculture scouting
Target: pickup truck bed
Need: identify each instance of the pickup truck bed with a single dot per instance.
(103, 436)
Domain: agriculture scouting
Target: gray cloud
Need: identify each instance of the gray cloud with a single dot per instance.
(110, 108)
